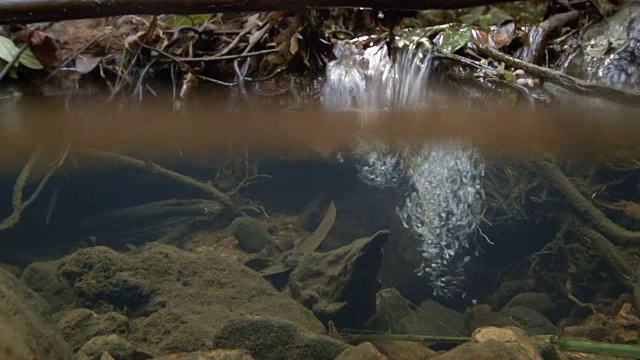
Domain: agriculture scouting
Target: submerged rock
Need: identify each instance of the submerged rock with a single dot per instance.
(391, 307)
(491, 343)
(252, 235)
(341, 285)
(26, 328)
(176, 300)
(275, 339)
(432, 318)
(114, 345)
(538, 301)
(42, 278)
(364, 351)
(530, 320)
(78, 326)
(210, 355)
(403, 349)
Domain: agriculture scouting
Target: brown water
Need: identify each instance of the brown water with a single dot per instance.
(207, 129)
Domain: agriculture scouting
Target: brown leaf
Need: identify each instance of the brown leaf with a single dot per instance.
(45, 48)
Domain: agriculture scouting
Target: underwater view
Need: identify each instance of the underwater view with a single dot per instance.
(343, 183)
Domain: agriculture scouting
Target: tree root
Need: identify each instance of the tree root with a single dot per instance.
(624, 274)
(154, 168)
(18, 189)
(585, 208)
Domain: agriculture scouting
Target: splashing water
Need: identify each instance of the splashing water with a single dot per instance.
(444, 177)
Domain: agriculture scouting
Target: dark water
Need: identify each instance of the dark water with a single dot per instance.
(458, 184)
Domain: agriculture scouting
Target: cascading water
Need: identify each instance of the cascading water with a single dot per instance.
(443, 177)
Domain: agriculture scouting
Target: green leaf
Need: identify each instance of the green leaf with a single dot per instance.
(179, 20)
(498, 16)
(455, 38)
(9, 50)
(28, 59)
(473, 15)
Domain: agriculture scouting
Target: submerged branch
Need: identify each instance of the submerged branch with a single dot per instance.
(159, 170)
(30, 11)
(589, 212)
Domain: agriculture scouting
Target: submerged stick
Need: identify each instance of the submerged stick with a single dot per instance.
(31, 11)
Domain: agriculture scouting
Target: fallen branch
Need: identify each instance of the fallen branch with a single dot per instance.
(172, 175)
(570, 83)
(30, 11)
(589, 212)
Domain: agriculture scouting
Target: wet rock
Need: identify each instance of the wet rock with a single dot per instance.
(403, 350)
(341, 285)
(252, 235)
(432, 318)
(364, 351)
(275, 339)
(487, 350)
(490, 319)
(480, 309)
(26, 327)
(514, 337)
(391, 307)
(210, 355)
(492, 343)
(41, 277)
(177, 299)
(78, 326)
(610, 50)
(114, 345)
(509, 289)
(589, 332)
(538, 301)
(530, 320)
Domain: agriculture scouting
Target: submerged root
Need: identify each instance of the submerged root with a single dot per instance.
(18, 189)
(554, 176)
(152, 167)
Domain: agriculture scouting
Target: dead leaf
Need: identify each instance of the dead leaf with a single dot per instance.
(294, 45)
(44, 48)
(85, 65)
(502, 36)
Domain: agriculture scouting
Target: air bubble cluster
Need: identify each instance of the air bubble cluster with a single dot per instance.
(441, 181)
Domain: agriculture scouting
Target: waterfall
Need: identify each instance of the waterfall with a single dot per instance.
(441, 180)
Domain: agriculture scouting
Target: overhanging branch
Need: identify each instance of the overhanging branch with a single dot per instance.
(30, 11)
